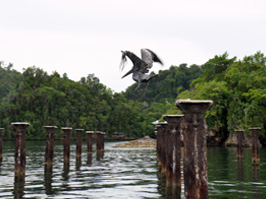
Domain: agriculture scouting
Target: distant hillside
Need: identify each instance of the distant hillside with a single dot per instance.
(166, 86)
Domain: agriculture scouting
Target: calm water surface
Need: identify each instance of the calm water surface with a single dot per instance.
(123, 173)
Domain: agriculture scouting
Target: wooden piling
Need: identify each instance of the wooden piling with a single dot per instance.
(98, 141)
(163, 148)
(240, 135)
(89, 141)
(175, 156)
(66, 137)
(255, 146)
(79, 142)
(1, 144)
(20, 151)
(49, 149)
(195, 150)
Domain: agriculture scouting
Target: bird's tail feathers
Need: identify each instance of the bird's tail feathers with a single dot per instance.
(123, 60)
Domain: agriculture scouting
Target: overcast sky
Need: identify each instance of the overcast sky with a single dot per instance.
(80, 37)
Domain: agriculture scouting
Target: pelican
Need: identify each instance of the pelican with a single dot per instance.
(140, 66)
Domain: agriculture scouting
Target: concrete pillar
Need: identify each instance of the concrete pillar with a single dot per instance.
(89, 141)
(195, 150)
(49, 149)
(240, 135)
(66, 137)
(20, 152)
(174, 157)
(255, 146)
(1, 144)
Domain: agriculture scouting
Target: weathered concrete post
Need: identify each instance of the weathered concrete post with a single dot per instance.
(163, 148)
(240, 135)
(195, 150)
(89, 141)
(175, 156)
(79, 142)
(20, 153)
(66, 143)
(255, 146)
(49, 149)
(1, 144)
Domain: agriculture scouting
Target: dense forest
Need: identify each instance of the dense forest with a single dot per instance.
(42, 99)
(237, 88)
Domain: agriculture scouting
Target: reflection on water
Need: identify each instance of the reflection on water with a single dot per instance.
(19, 188)
(124, 173)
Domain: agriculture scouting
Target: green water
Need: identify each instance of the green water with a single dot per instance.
(123, 173)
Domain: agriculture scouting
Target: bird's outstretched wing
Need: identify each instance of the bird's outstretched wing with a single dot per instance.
(149, 57)
(135, 60)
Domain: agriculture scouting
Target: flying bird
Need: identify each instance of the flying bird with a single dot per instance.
(140, 66)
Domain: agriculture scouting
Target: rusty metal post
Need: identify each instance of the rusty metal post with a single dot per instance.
(20, 153)
(255, 146)
(49, 149)
(79, 142)
(175, 168)
(66, 143)
(240, 135)
(1, 144)
(163, 148)
(89, 141)
(195, 150)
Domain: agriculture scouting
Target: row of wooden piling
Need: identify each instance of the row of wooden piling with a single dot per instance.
(20, 148)
(195, 150)
(255, 144)
(194, 128)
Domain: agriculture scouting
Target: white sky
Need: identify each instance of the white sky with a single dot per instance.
(79, 37)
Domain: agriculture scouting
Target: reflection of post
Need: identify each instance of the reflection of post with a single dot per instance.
(174, 127)
(19, 188)
(163, 148)
(1, 144)
(66, 143)
(195, 151)
(240, 171)
(79, 142)
(89, 141)
(48, 173)
(20, 153)
(255, 146)
(240, 134)
(49, 149)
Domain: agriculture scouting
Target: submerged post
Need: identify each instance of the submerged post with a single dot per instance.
(66, 143)
(20, 153)
(79, 142)
(1, 144)
(255, 146)
(240, 135)
(49, 149)
(175, 156)
(89, 142)
(195, 150)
